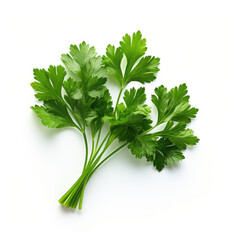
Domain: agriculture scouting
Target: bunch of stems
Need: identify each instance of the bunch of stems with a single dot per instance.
(74, 196)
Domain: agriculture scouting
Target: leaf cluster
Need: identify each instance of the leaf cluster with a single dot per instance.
(76, 96)
(82, 93)
(165, 147)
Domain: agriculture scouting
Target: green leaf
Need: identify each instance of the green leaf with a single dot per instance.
(134, 97)
(88, 76)
(131, 119)
(127, 126)
(73, 89)
(157, 160)
(82, 109)
(165, 153)
(143, 145)
(160, 100)
(100, 109)
(97, 88)
(51, 118)
(86, 91)
(134, 47)
(170, 153)
(83, 64)
(178, 135)
(173, 105)
(112, 62)
(138, 68)
(92, 108)
(144, 71)
(57, 108)
(48, 84)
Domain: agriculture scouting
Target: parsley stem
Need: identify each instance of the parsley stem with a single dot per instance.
(91, 173)
(98, 138)
(118, 99)
(75, 194)
(69, 198)
(112, 153)
(86, 149)
(78, 127)
(73, 114)
(64, 198)
(150, 129)
(99, 148)
(93, 147)
(72, 197)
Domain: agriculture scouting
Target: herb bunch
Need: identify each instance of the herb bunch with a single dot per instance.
(76, 96)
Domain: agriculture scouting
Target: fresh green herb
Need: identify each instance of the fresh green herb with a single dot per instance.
(78, 97)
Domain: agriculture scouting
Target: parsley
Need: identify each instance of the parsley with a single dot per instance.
(76, 96)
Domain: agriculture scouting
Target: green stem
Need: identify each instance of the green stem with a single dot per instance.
(74, 115)
(118, 99)
(107, 137)
(106, 158)
(99, 148)
(64, 198)
(86, 149)
(91, 173)
(98, 138)
(150, 129)
(73, 195)
(93, 147)
(82, 192)
(72, 198)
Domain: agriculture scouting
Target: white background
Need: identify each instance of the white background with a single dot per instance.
(198, 43)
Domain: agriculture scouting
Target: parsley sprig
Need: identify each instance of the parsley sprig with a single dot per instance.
(76, 96)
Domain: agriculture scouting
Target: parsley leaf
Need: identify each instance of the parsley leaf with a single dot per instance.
(170, 153)
(84, 66)
(100, 109)
(173, 105)
(48, 84)
(132, 117)
(51, 120)
(86, 92)
(179, 135)
(83, 63)
(166, 154)
(143, 145)
(138, 68)
(112, 61)
(128, 125)
(134, 47)
(134, 98)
